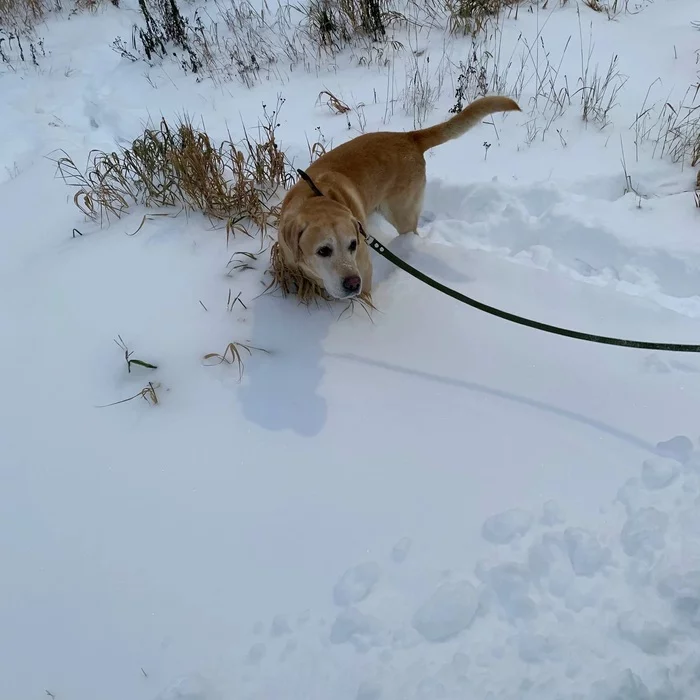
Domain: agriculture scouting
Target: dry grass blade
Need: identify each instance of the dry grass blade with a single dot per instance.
(146, 217)
(148, 394)
(335, 104)
(232, 301)
(236, 265)
(610, 8)
(316, 150)
(232, 355)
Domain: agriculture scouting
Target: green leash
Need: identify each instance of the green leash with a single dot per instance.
(376, 246)
(513, 318)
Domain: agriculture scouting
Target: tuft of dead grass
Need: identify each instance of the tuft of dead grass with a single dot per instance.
(180, 166)
(334, 24)
(471, 17)
(22, 15)
(15, 14)
(610, 8)
(335, 104)
(679, 131)
(92, 5)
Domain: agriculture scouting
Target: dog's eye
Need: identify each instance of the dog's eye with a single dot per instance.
(353, 246)
(325, 252)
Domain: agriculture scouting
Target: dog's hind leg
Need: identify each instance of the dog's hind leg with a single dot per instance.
(403, 211)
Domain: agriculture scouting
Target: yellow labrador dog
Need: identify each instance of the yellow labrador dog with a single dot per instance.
(319, 230)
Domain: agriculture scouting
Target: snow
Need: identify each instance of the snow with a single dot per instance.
(429, 504)
(401, 550)
(659, 472)
(356, 583)
(503, 528)
(449, 611)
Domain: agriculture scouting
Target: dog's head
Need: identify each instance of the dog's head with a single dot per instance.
(322, 237)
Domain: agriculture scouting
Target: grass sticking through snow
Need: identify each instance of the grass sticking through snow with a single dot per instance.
(148, 394)
(232, 355)
(180, 166)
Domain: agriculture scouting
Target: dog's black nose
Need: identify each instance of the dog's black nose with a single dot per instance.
(352, 284)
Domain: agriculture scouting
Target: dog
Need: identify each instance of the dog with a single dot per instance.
(322, 217)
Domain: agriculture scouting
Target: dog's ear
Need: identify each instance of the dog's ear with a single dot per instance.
(345, 196)
(289, 237)
(358, 227)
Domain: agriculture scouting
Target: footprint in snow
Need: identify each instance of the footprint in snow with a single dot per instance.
(400, 550)
(356, 584)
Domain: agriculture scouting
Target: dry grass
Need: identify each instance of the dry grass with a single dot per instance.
(232, 356)
(93, 5)
(696, 158)
(599, 93)
(241, 40)
(335, 104)
(180, 166)
(334, 24)
(15, 14)
(610, 8)
(424, 83)
(470, 17)
(22, 15)
(679, 133)
(148, 394)
(316, 150)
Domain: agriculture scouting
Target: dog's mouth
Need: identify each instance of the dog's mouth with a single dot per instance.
(342, 296)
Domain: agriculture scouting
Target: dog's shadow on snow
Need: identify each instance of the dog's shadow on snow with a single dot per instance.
(281, 390)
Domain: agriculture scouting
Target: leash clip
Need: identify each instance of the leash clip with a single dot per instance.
(372, 242)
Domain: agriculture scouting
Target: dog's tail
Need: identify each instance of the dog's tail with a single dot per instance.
(469, 117)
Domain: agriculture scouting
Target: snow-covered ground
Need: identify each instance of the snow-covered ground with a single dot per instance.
(428, 504)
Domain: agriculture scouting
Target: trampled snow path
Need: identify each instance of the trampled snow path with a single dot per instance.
(433, 505)
(589, 230)
(552, 610)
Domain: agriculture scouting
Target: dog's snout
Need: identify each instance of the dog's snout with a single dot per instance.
(352, 284)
